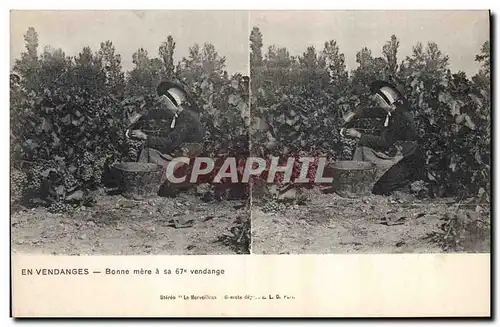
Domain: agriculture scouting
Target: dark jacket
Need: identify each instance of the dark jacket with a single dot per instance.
(187, 129)
(401, 130)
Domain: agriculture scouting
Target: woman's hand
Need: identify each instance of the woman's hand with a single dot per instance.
(138, 134)
(349, 117)
(352, 133)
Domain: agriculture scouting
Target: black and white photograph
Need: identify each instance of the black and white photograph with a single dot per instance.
(392, 110)
(100, 103)
(188, 162)
(385, 115)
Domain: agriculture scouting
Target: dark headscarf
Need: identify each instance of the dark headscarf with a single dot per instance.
(163, 87)
(401, 102)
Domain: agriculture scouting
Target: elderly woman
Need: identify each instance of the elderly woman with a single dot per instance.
(182, 130)
(396, 151)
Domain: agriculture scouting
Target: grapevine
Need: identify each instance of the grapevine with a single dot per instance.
(18, 183)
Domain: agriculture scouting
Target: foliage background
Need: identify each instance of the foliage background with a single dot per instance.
(68, 113)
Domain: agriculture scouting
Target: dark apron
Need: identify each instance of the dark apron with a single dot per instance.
(187, 150)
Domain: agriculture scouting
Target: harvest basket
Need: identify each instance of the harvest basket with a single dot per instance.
(353, 178)
(138, 180)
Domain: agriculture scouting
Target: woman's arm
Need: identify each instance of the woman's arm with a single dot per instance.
(168, 143)
(186, 128)
(366, 112)
(383, 141)
(157, 114)
(396, 131)
(369, 112)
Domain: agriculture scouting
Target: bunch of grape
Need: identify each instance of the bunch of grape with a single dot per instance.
(35, 175)
(134, 146)
(99, 168)
(273, 206)
(18, 180)
(70, 181)
(347, 149)
(86, 172)
(60, 207)
(88, 157)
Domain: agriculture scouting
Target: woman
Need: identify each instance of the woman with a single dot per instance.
(183, 132)
(399, 135)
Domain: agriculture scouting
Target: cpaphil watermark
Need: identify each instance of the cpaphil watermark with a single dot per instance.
(300, 169)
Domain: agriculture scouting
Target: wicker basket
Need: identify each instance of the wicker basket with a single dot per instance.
(139, 180)
(353, 178)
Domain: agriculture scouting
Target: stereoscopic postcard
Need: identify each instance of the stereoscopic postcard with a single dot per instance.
(243, 163)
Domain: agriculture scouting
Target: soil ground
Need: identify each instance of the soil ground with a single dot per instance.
(332, 224)
(119, 226)
(327, 223)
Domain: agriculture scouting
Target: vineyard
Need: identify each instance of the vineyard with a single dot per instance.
(68, 121)
(297, 107)
(69, 114)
